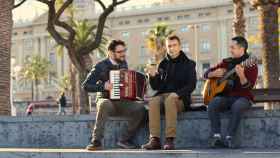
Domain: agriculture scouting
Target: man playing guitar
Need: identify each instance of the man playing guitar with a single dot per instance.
(236, 97)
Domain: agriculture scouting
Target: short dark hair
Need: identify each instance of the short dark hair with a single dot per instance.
(174, 37)
(114, 43)
(241, 41)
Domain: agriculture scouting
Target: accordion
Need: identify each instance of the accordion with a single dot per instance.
(127, 85)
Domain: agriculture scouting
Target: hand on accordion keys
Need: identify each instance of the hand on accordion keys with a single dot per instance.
(108, 86)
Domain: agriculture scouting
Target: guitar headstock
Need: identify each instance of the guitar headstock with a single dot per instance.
(251, 61)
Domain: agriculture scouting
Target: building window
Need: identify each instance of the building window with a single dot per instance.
(125, 34)
(147, 20)
(27, 45)
(121, 23)
(127, 22)
(143, 55)
(180, 17)
(200, 14)
(184, 29)
(186, 16)
(207, 14)
(159, 19)
(229, 11)
(186, 48)
(139, 20)
(205, 67)
(166, 18)
(205, 46)
(52, 58)
(145, 33)
(205, 27)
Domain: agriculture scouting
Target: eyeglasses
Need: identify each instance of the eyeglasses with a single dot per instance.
(121, 51)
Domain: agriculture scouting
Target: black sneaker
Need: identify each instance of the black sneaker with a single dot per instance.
(94, 145)
(126, 145)
(229, 142)
(216, 142)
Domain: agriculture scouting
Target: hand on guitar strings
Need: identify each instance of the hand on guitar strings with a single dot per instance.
(241, 74)
(217, 73)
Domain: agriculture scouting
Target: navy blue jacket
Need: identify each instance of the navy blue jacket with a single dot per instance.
(97, 77)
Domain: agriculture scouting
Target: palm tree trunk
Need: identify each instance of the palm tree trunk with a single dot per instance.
(239, 20)
(6, 24)
(270, 50)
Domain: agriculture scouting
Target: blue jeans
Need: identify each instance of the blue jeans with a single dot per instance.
(237, 105)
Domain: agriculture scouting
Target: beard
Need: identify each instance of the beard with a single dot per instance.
(120, 59)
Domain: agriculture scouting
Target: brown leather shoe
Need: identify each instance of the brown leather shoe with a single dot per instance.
(153, 144)
(94, 145)
(169, 144)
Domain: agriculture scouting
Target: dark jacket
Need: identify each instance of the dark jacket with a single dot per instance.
(96, 79)
(62, 101)
(176, 75)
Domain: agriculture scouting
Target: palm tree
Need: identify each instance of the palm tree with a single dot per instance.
(5, 47)
(34, 70)
(269, 35)
(156, 40)
(239, 20)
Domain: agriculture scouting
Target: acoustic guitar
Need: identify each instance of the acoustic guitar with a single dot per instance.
(214, 86)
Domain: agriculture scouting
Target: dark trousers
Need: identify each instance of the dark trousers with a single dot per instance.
(237, 105)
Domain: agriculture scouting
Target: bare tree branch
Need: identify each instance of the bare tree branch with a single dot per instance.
(121, 2)
(62, 24)
(44, 1)
(19, 4)
(100, 28)
(101, 4)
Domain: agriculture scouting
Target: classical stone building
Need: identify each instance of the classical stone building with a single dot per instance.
(205, 28)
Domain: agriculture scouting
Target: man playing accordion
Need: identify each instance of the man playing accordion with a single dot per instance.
(98, 81)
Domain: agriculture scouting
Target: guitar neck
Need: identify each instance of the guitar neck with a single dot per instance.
(227, 75)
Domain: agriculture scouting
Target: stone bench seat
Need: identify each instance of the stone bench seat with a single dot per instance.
(258, 129)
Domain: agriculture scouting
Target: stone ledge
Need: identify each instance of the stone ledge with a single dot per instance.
(78, 153)
(252, 113)
(258, 129)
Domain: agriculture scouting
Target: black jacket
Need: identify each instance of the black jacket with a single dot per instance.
(62, 101)
(176, 75)
(96, 79)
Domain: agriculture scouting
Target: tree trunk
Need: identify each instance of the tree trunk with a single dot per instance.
(83, 99)
(81, 94)
(36, 90)
(270, 50)
(73, 80)
(239, 20)
(32, 90)
(6, 24)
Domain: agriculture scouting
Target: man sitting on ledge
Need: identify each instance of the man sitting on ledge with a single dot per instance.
(175, 80)
(98, 81)
(237, 97)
